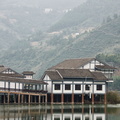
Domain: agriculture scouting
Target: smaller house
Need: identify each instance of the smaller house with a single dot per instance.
(17, 88)
(28, 74)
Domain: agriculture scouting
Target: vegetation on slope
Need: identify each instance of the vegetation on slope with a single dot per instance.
(43, 50)
(89, 14)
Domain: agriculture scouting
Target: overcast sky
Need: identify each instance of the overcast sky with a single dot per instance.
(43, 3)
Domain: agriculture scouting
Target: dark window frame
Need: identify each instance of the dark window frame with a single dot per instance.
(67, 86)
(99, 87)
(57, 87)
(87, 87)
(77, 86)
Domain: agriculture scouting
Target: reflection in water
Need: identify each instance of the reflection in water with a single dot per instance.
(57, 112)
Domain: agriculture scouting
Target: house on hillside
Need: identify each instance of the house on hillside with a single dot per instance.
(17, 88)
(78, 81)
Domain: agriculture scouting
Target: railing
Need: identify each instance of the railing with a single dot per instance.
(22, 90)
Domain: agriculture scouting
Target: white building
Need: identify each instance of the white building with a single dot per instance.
(17, 88)
(78, 81)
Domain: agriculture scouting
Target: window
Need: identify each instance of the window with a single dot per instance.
(86, 118)
(99, 118)
(57, 86)
(77, 87)
(67, 87)
(87, 87)
(77, 118)
(56, 118)
(67, 118)
(99, 87)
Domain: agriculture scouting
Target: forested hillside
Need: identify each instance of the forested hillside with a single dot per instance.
(30, 47)
(20, 19)
(42, 50)
(90, 14)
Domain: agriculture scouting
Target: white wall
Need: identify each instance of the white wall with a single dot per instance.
(57, 91)
(93, 88)
(73, 116)
(1, 84)
(77, 91)
(91, 65)
(102, 116)
(12, 85)
(100, 91)
(6, 85)
(17, 86)
(67, 91)
(28, 77)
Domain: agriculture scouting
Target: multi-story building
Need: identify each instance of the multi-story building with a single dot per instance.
(78, 81)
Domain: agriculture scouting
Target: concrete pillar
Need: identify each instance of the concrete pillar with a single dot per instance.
(22, 99)
(14, 98)
(29, 99)
(8, 98)
(52, 98)
(92, 98)
(82, 98)
(105, 99)
(72, 98)
(18, 98)
(46, 99)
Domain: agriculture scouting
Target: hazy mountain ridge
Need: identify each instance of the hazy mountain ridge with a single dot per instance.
(42, 50)
(52, 49)
(89, 14)
(20, 19)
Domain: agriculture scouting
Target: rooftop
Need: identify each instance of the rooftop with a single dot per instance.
(71, 63)
(28, 73)
(61, 74)
(20, 80)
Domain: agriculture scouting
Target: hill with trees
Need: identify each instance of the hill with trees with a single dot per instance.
(41, 48)
(90, 14)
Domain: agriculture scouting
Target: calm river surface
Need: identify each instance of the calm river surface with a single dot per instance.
(59, 112)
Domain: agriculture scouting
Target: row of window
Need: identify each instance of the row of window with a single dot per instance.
(77, 118)
(77, 87)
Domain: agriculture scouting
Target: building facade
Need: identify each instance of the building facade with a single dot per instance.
(15, 88)
(78, 81)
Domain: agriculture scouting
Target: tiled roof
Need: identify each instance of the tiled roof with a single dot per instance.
(54, 75)
(99, 76)
(28, 73)
(104, 67)
(61, 74)
(15, 74)
(75, 73)
(12, 75)
(21, 80)
(72, 63)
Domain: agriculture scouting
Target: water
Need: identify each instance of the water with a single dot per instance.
(59, 112)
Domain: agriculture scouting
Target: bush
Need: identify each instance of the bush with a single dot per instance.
(113, 97)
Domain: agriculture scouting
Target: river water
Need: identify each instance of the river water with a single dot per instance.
(59, 112)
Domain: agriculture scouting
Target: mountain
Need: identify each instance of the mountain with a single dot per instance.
(89, 14)
(43, 48)
(39, 54)
(20, 19)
